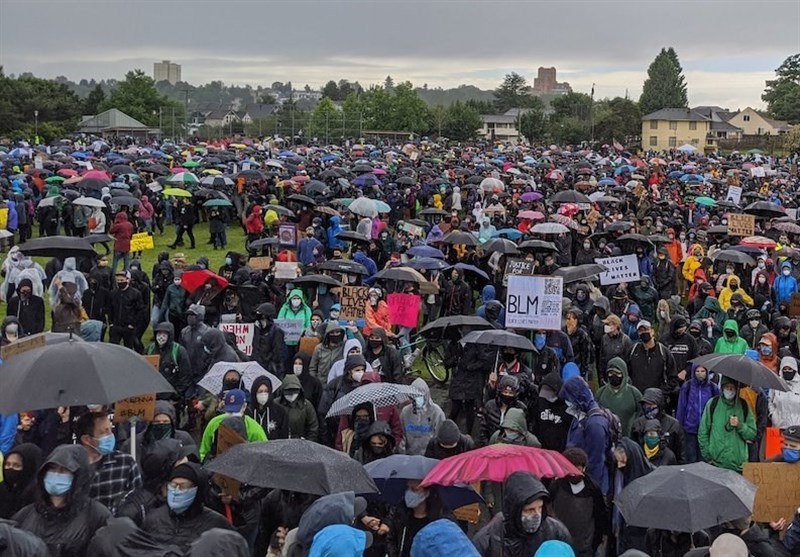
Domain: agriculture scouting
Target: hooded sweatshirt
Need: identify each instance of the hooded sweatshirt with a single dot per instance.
(720, 444)
(326, 353)
(302, 416)
(272, 417)
(733, 286)
(489, 294)
(303, 313)
(420, 425)
(122, 231)
(337, 369)
(21, 491)
(692, 400)
(514, 420)
(442, 538)
(784, 408)
(692, 262)
(784, 286)
(724, 346)
(68, 273)
(622, 401)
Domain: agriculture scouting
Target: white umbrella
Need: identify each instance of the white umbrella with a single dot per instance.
(489, 184)
(363, 206)
(686, 148)
(50, 201)
(549, 228)
(273, 163)
(212, 381)
(89, 202)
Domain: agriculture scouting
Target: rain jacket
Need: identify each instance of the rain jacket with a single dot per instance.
(272, 417)
(68, 530)
(646, 297)
(420, 425)
(255, 433)
(721, 445)
(216, 542)
(302, 416)
(173, 363)
(692, 263)
(216, 349)
(14, 496)
(728, 291)
(442, 538)
(504, 536)
(711, 310)
(671, 430)
(692, 400)
(784, 287)
(326, 354)
(122, 231)
(333, 231)
(723, 346)
(328, 510)
(514, 420)
(337, 369)
(489, 294)
(784, 408)
(388, 363)
(192, 340)
(268, 343)
(303, 313)
(624, 401)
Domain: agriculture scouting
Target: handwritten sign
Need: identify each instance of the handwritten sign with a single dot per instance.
(286, 270)
(353, 301)
(521, 267)
(244, 333)
(734, 194)
(141, 241)
(22, 345)
(412, 229)
(140, 407)
(404, 309)
(227, 438)
(623, 268)
(292, 329)
(778, 494)
(534, 302)
(741, 224)
(260, 263)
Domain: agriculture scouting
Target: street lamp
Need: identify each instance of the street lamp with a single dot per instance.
(36, 126)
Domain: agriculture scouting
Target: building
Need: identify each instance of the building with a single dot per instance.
(721, 128)
(220, 117)
(254, 112)
(753, 123)
(545, 83)
(500, 127)
(670, 128)
(114, 122)
(303, 95)
(167, 71)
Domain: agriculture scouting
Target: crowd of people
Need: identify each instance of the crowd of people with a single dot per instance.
(615, 390)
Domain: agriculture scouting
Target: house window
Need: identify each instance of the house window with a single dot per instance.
(692, 126)
(695, 141)
(653, 141)
(673, 124)
(673, 141)
(760, 131)
(653, 124)
(746, 117)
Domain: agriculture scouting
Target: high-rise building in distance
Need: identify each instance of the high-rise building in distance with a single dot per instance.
(545, 83)
(167, 71)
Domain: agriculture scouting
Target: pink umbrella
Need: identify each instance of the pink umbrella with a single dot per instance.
(379, 172)
(530, 215)
(494, 463)
(178, 169)
(67, 172)
(98, 174)
(758, 242)
(301, 178)
(555, 175)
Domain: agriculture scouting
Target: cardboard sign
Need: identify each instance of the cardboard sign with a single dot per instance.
(260, 263)
(468, 513)
(534, 302)
(244, 333)
(412, 229)
(308, 344)
(140, 407)
(404, 309)
(794, 305)
(623, 268)
(141, 241)
(287, 235)
(292, 329)
(227, 438)
(734, 194)
(741, 224)
(353, 300)
(286, 270)
(517, 267)
(22, 345)
(154, 360)
(778, 494)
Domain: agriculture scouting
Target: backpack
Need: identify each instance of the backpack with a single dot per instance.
(614, 424)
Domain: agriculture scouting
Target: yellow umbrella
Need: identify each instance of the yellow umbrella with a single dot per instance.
(212, 171)
(177, 192)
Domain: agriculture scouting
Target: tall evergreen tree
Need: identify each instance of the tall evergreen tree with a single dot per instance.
(665, 86)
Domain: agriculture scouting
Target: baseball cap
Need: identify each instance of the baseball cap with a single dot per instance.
(644, 323)
(792, 433)
(612, 320)
(234, 400)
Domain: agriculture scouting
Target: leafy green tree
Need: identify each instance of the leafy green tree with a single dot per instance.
(438, 119)
(617, 118)
(388, 84)
(481, 107)
(514, 92)
(326, 120)
(462, 122)
(410, 113)
(137, 97)
(331, 91)
(93, 100)
(572, 105)
(533, 124)
(568, 131)
(665, 86)
(782, 95)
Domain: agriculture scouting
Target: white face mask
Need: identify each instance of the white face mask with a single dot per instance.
(161, 338)
(291, 397)
(578, 487)
(787, 272)
(295, 303)
(357, 376)
(297, 369)
(262, 398)
(608, 329)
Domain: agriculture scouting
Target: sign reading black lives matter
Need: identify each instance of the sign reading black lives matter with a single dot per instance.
(534, 302)
(622, 268)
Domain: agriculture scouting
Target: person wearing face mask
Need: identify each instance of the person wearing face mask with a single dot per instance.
(309, 248)
(651, 364)
(671, 433)
(115, 473)
(164, 426)
(449, 441)
(28, 308)
(457, 297)
(664, 272)
(173, 304)
(268, 341)
(327, 352)
(656, 451)
(524, 524)
(264, 409)
(697, 331)
(785, 336)
(578, 503)
(613, 344)
(303, 423)
(693, 262)
(295, 308)
(784, 407)
(185, 516)
(514, 430)
(10, 331)
(376, 444)
(619, 396)
(489, 294)
(509, 364)
(126, 307)
(785, 285)
(692, 399)
(754, 329)
(722, 279)
(383, 357)
(234, 404)
(173, 363)
(216, 349)
(732, 287)
(726, 428)
(376, 313)
(65, 516)
(18, 488)
(768, 352)
(192, 338)
(587, 254)
(420, 420)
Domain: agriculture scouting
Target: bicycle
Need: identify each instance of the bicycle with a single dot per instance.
(429, 356)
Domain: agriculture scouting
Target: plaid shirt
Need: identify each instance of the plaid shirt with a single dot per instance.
(114, 475)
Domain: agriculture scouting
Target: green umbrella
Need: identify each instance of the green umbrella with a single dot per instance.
(217, 203)
(176, 192)
(55, 179)
(191, 164)
(183, 178)
(705, 201)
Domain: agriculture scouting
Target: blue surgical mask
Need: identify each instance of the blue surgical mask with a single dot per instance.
(180, 500)
(766, 351)
(539, 341)
(106, 444)
(414, 499)
(56, 483)
(791, 455)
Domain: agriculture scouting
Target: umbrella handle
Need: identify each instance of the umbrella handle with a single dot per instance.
(229, 513)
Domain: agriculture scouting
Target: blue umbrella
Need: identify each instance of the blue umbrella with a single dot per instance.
(692, 178)
(624, 168)
(287, 154)
(366, 180)
(329, 157)
(425, 251)
(510, 233)
(675, 174)
(426, 264)
(80, 155)
(607, 182)
(18, 152)
(472, 268)
(391, 475)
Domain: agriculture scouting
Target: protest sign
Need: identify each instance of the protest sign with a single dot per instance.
(778, 494)
(260, 263)
(292, 329)
(353, 301)
(141, 241)
(734, 194)
(38, 163)
(227, 438)
(758, 172)
(534, 302)
(308, 344)
(244, 333)
(741, 224)
(140, 407)
(622, 268)
(286, 270)
(794, 305)
(412, 229)
(404, 309)
(22, 345)
(287, 235)
(153, 359)
(517, 267)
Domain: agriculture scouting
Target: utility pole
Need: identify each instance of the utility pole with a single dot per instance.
(173, 123)
(160, 124)
(591, 114)
(186, 110)
(36, 126)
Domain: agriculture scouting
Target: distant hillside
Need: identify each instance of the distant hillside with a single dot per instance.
(446, 97)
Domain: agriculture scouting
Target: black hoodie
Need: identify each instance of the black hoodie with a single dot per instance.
(29, 311)
(17, 492)
(683, 347)
(174, 363)
(272, 417)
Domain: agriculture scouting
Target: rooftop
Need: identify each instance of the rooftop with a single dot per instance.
(683, 114)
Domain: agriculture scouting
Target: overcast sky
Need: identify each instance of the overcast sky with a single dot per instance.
(728, 48)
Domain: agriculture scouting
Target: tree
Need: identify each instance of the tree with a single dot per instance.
(326, 121)
(462, 122)
(574, 105)
(791, 140)
(331, 91)
(514, 92)
(533, 124)
(665, 86)
(409, 111)
(267, 99)
(616, 119)
(481, 107)
(569, 131)
(388, 84)
(438, 117)
(137, 97)
(93, 100)
(782, 95)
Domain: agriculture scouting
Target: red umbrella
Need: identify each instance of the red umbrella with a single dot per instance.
(192, 280)
(494, 463)
(99, 174)
(67, 172)
(758, 242)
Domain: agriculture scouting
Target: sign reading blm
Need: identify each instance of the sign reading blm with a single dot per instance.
(534, 302)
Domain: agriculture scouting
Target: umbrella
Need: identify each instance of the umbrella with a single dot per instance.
(459, 237)
(293, 465)
(718, 229)
(343, 266)
(538, 246)
(76, 373)
(638, 238)
(98, 238)
(125, 200)
(686, 498)
(382, 207)
(734, 256)
(703, 200)
(433, 211)
(192, 280)
(316, 279)
(509, 233)
(579, 272)
(176, 192)
(183, 178)
(403, 274)
(426, 264)
(531, 196)
(491, 184)
(498, 339)
(530, 215)
(280, 209)
(788, 227)
(758, 242)
(300, 198)
(89, 202)
(569, 196)
(216, 181)
(57, 246)
(500, 245)
(353, 236)
(472, 269)
(249, 371)
(425, 251)
(258, 244)
(765, 209)
(379, 394)
(438, 327)
(619, 226)
(391, 475)
(363, 206)
(50, 201)
(495, 463)
(217, 203)
(549, 228)
(743, 369)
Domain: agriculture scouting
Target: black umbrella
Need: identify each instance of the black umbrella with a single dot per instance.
(403, 274)
(743, 369)
(316, 187)
(734, 256)
(498, 339)
(658, 239)
(263, 242)
(250, 175)
(765, 209)
(76, 374)
(500, 245)
(538, 246)
(433, 211)
(619, 226)
(300, 198)
(406, 180)
(95, 184)
(58, 246)
(569, 196)
(362, 168)
(579, 272)
(427, 264)
(280, 209)
(122, 169)
(638, 238)
(343, 266)
(159, 169)
(125, 201)
(686, 498)
(293, 465)
(98, 238)
(460, 237)
(453, 322)
(317, 279)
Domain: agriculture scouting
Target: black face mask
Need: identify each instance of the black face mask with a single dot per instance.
(646, 337)
(230, 385)
(615, 380)
(508, 357)
(12, 477)
(695, 333)
(157, 432)
(789, 375)
(508, 400)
